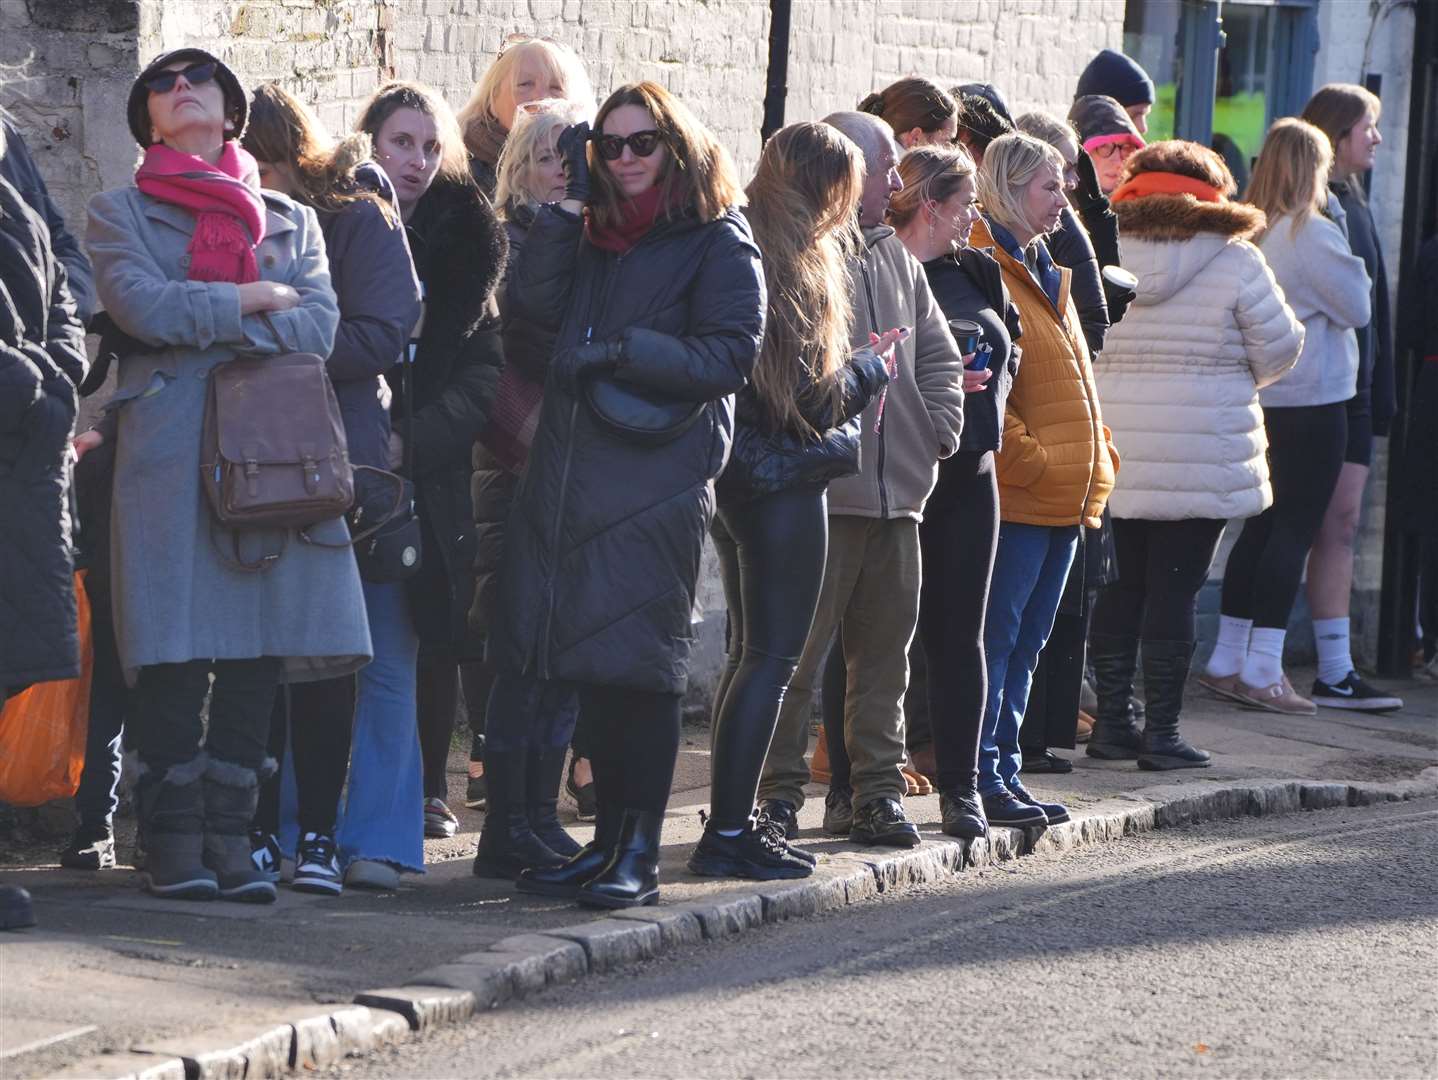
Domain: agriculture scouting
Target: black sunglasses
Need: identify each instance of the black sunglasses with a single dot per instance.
(195, 74)
(643, 143)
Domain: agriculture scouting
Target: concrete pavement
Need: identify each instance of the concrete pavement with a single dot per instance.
(109, 968)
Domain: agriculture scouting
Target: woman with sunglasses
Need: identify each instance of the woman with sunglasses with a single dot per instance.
(197, 260)
(657, 298)
(378, 295)
(454, 352)
(527, 69)
(920, 113)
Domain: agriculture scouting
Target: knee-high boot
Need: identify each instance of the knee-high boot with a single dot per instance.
(1165, 670)
(545, 767)
(508, 844)
(1116, 737)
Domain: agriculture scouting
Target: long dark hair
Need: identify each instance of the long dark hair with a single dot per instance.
(911, 103)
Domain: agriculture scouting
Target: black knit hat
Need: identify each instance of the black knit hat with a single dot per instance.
(1119, 77)
(138, 110)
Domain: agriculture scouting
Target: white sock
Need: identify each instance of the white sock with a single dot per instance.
(1264, 665)
(1335, 657)
(1232, 648)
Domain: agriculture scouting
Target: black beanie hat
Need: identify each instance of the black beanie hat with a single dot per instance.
(237, 105)
(990, 93)
(1117, 76)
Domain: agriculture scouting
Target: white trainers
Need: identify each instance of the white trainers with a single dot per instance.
(317, 866)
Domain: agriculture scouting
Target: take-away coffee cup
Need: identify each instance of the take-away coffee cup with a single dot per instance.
(967, 335)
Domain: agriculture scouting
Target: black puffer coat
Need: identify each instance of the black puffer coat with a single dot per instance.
(970, 285)
(1071, 246)
(42, 361)
(602, 555)
(459, 250)
(766, 460)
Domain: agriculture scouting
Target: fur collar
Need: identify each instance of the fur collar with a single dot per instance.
(459, 247)
(1182, 217)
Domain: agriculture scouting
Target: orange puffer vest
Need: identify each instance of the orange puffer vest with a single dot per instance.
(1057, 463)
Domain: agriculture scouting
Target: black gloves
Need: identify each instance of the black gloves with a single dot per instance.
(1088, 195)
(573, 149)
(580, 361)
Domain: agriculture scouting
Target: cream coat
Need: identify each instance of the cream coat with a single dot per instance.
(1179, 376)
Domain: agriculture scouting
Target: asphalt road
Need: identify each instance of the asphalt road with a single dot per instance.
(1304, 945)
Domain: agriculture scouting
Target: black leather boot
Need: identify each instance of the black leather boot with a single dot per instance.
(1116, 737)
(1165, 670)
(508, 844)
(545, 772)
(631, 877)
(564, 881)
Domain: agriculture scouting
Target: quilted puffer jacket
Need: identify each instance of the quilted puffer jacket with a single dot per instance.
(42, 361)
(602, 554)
(1179, 377)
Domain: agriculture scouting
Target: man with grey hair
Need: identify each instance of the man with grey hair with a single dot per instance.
(870, 594)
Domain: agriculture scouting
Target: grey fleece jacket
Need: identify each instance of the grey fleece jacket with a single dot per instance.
(923, 407)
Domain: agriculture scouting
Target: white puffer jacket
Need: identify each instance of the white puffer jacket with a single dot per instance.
(1178, 378)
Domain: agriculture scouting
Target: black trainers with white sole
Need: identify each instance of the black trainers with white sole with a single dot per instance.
(265, 854)
(1354, 694)
(317, 867)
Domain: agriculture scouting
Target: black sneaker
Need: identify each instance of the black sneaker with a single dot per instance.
(265, 854)
(1354, 694)
(439, 820)
(583, 796)
(1046, 761)
(882, 821)
(89, 849)
(756, 854)
(1057, 813)
(476, 792)
(839, 811)
(781, 820)
(1003, 809)
(317, 867)
(962, 813)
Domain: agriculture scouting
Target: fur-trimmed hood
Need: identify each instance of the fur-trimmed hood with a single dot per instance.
(1175, 218)
(459, 247)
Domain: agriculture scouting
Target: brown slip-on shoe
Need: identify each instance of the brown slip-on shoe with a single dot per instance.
(918, 783)
(1224, 686)
(1083, 728)
(819, 771)
(1280, 697)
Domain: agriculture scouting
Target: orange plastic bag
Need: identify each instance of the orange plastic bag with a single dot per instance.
(42, 730)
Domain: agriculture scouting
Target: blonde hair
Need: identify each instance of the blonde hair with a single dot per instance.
(930, 174)
(1337, 109)
(698, 172)
(393, 96)
(558, 61)
(536, 128)
(1291, 175)
(804, 209)
(1010, 164)
(1050, 129)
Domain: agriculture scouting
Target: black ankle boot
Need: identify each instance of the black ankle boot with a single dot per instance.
(545, 773)
(631, 877)
(508, 844)
(962, 813)
(564, 881)
(1115, 735)
(1165, 670)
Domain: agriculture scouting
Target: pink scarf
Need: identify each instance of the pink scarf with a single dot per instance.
(225, 199)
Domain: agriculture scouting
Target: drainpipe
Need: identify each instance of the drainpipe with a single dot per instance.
(778, 81)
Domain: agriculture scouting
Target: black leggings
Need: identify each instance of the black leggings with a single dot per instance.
(771, 555)
(1162, 565)
(635, 744)
(166, 728)
(315, 720)
(1265, 568)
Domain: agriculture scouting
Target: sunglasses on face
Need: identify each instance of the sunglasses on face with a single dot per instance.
(195, 74)
(643, 143)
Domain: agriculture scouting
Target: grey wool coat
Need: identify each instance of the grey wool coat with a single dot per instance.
(175, 598)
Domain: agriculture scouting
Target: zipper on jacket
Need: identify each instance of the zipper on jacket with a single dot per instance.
(874, 327)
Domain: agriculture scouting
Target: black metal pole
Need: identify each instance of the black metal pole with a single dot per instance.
(778, 83)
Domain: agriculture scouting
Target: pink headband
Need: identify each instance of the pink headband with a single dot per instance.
(1118, 136)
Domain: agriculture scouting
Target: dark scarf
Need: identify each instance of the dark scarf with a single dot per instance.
(636, 217)
(484, 138)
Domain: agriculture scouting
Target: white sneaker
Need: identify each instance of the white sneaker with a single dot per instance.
(317, 867)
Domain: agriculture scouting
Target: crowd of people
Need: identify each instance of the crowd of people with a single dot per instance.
(963, 400)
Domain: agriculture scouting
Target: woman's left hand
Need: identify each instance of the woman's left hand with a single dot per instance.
(975, 381)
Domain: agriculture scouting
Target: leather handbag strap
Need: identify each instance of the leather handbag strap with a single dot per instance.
(364, 534)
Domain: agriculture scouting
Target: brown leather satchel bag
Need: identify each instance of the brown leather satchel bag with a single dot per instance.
(273, 452)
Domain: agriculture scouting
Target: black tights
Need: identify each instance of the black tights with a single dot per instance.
(958, 540)
(314, 721)
(1265, 568)
(166, 727)
(635, 744)
(436, 707)
(1162, 565)
(771, 554)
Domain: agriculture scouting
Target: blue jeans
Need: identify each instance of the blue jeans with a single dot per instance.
(1030, 570)
(382, 816)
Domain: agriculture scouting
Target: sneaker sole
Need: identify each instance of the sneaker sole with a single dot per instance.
(1025, 823)
(723, 868)
(252, 892)
(1373, 705)
(320, 885)
(196, 889)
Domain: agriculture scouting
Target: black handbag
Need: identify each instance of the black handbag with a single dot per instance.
(637, 415)
(384, 522)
